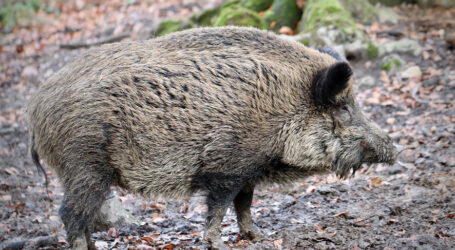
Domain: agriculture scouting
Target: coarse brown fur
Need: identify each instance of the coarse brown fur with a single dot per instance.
(218, 110)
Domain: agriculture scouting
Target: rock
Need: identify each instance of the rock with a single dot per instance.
(412, 72)
(405, 45)
(320, 13)
(239, 16)
(112, 214)
(29, 72)
(365, 82)
(362, 11)
(357, 49)
(329, 24)
(387, 15)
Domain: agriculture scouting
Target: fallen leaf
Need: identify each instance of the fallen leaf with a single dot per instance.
(375, 182)
(278, 243)
(344, 214)
(170, 246)
(318, 227)
(156, 218)
(148, 239)
(272, 25)
(286, 30)
(112, 232)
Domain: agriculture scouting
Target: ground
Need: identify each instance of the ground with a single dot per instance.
(410, 205)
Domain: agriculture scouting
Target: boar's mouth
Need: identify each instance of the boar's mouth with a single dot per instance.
(347, 163)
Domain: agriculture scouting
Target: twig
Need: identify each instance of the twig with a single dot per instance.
(110, 39)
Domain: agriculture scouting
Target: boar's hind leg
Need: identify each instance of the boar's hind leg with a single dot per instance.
(86, 188)
(242, 205)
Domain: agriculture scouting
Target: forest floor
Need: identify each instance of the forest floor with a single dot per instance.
(410, 205)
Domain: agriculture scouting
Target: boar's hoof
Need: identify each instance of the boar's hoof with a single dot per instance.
(252, 233)
(217, 244)
(79, 244)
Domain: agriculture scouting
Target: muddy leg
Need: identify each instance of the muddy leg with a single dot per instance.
(242, 205)
(213, 227)
(85, 191)
(220, 196)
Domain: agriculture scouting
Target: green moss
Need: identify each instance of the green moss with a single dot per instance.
(239, 16)
(305, 42)
(396, 62)
(387, 66)
(282, 13)
(169, 26)
(257, 5)
(372, 51)
(320, 13)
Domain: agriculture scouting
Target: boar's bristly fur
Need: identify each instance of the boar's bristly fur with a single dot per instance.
(217, 110)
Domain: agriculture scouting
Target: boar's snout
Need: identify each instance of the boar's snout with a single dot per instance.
(379, 147)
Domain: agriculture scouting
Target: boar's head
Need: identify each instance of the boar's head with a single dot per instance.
(333, 133)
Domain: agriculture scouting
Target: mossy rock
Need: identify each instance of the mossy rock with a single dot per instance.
(169, 26)
(282, 13)
(209, 16)
(206, 17)
(362, 11)
(320, 13)
(239, 16)
(257, 5)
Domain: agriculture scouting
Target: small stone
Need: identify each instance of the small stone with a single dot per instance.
(412, 72)
(365, 82)
(387, 15)
(405, 45)
(356, 49)
(29, 72)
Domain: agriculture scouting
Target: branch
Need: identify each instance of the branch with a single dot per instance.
(109, 39)
(32, 243)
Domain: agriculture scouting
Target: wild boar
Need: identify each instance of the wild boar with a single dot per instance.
(215, 110)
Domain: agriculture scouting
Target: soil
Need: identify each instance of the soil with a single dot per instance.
(410, 205)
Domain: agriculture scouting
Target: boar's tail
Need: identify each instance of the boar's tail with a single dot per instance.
(36, 161)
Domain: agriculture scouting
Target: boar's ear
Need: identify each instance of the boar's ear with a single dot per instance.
(331, 81)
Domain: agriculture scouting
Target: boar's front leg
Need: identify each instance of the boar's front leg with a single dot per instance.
(242, 205)
(222, 190)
